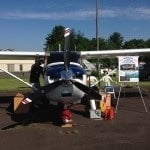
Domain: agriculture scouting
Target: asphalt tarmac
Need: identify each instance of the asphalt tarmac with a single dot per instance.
(129, 130)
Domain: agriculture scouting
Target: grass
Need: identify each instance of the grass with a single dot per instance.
(11, 84)
(145, 85)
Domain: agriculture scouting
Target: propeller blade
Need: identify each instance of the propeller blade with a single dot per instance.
(67, 38)
(51, 86)
(86, 89)
(67, 48)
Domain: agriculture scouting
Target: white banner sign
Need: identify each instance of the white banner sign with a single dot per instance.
(128, 69)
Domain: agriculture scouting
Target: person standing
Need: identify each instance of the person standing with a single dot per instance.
(106, 79)
(36, 71)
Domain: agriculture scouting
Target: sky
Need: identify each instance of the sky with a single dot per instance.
(24, 24)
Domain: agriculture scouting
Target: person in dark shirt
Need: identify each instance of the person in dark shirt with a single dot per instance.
(36, 71)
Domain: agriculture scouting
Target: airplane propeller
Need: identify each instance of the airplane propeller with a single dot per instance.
(66, 48)
(51, 86)
(67, 74)
(88, 90)
(79, 85)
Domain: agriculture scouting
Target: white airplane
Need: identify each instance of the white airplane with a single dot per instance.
(65, 78)
(64, 75)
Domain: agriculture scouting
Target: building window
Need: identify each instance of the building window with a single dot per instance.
(21, 67)
(10, 67)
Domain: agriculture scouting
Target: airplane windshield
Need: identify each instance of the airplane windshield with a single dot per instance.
(66, 74)
(59, 57)
(55, 71)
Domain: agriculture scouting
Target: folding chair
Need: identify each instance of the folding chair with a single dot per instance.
(110, 90)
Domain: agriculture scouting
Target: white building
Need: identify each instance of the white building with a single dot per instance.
(13, 61)
(16, 65)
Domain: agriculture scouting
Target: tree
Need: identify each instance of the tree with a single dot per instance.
(81, 43)
(147, 43)
(93, 44)
(103, 44)
(134, 43)
(146, 58)
(115, 41)
(55, 38)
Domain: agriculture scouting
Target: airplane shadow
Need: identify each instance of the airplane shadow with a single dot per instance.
(40, 114)
(80, 109)
(44, 113)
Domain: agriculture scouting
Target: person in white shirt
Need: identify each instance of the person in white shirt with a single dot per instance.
(91, 81)
(107, 79)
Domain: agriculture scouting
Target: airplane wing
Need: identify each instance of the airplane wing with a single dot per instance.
(20, 54)
(113, 53)
(84, 54)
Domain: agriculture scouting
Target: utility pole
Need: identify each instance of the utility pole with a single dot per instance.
(97, 24)
(97, 32)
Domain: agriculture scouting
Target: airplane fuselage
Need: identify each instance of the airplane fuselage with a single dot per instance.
(66, 91)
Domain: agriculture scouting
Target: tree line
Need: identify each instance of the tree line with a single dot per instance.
(78, 42)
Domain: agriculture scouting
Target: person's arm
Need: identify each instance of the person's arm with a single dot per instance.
(111, 79)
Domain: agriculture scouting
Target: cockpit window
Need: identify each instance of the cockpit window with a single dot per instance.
(55, 71)
(59, 57)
